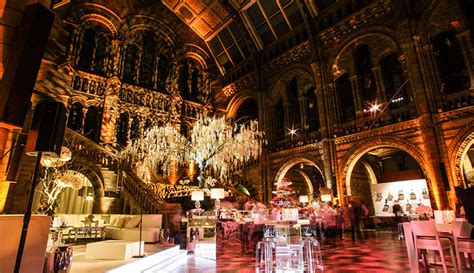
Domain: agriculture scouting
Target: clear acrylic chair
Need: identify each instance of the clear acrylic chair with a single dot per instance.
(463, 244)
(264, 256)
(426, 237)
(265, 250)
(313, 260)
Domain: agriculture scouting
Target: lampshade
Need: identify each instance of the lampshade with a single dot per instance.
(217, 193)
(197, 195)
(326, 197)
(304, 199)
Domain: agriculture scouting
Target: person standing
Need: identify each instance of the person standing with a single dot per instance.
(339, 221)
(354, 217)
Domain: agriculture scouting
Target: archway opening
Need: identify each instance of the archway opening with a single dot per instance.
(387, 176)
(306, 177)
(248, 110)
(91, 124)
(467, 166)
(75, 117)
(76, 198)
(452, 68)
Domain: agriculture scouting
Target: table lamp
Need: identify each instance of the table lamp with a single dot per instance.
(197, 196)
(326, 197)
(304, 199)
(217, 193)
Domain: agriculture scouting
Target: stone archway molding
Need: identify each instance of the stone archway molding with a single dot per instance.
(459, 149)
(285, 167)
(237, 100)
(357, 151)
(307, 179)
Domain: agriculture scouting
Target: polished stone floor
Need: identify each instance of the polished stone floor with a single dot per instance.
(379, 252)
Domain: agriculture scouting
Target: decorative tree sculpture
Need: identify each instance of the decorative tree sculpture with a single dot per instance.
(215, 145)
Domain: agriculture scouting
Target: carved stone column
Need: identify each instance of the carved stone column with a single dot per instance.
(190, 78)
(73, 42)
(138, 62)
(154, 80)
(464, 41)
(419, 72)
(121, 58)
(115, 57)
(381, 95)
(332, 104)
(434, 93)
(328, 147)
(77, 46)
(303, 115)
(111, 110)
(356, 94)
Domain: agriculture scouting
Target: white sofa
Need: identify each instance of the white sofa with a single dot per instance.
(150, 230)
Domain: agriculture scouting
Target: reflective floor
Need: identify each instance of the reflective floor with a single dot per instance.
(379, 252)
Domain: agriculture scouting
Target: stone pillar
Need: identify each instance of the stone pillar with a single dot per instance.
(138, 62)
(155, 73)
(73, 38)
(111, 110)
(303, 115)
(381, 95)
(464, 42)
(356, 94)
(332, 102)
(420, 77)
(328, 148)
(116, 51)
(437, 98)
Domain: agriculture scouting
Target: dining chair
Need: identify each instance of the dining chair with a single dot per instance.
(426, 237)
(462, 242)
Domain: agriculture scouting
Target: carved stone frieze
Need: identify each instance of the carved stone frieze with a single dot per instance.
(362, 18)
(295, 54)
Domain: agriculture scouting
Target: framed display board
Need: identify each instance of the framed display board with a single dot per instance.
(408, 194)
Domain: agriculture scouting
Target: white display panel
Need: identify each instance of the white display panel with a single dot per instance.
(417, 187)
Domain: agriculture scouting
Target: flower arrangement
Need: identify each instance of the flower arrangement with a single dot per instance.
(424, 212)
(282, 198)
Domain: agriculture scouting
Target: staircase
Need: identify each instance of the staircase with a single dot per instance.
(118, 178)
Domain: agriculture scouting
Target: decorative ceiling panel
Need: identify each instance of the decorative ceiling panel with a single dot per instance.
(196, 5)
(201, 28)
(205, 17)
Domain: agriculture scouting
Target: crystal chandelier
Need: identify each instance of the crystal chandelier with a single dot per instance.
(215, 146)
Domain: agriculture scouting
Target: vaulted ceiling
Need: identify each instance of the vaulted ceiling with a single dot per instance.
(224, 24)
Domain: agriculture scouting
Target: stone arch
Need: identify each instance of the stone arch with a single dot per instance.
(357, 151)
(83, 165)
(143, 22)
(101, 20)
(345, 64)
(91, 12)
(283, 169)
(302, 71)
(308, 182)
(237, 100)
(459, 149)
(198, 54)
(437, 19)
